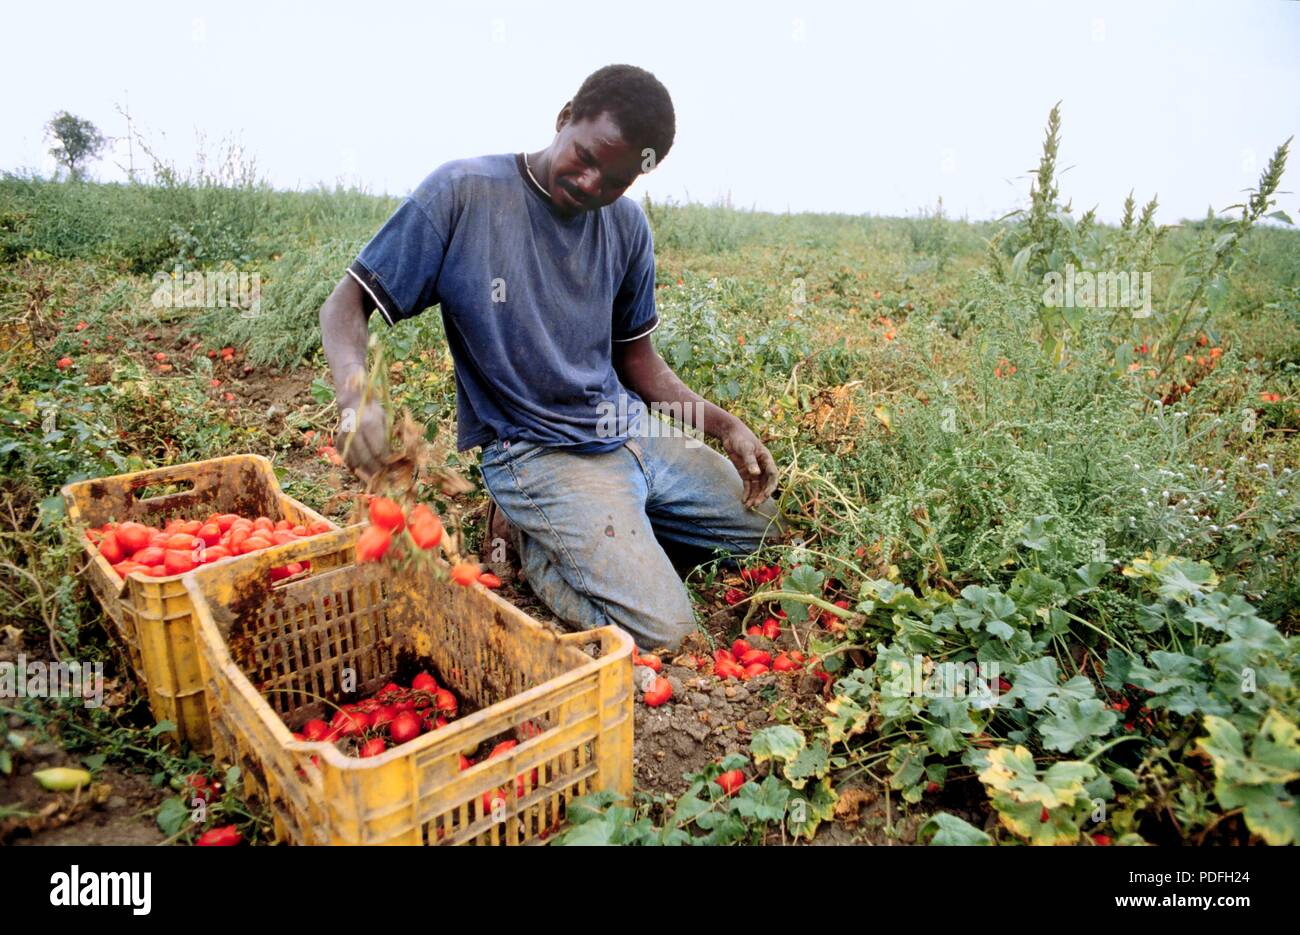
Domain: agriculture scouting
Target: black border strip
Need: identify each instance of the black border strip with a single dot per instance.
(653, 325)
(370, 282)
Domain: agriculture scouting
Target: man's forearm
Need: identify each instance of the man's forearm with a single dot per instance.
(649, 376)
(344, 337)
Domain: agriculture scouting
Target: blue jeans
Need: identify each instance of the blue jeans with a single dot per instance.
(591, 525)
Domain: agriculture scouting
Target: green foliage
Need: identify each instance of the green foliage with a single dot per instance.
(76, 142)
(799, 801)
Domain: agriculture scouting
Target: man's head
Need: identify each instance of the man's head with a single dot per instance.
(619, 125)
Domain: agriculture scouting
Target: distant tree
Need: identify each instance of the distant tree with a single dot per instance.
(77, 141)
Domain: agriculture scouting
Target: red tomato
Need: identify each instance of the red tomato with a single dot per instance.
(373, 543)
(465, 762)
(254, 544)
(282, 537)
(201, 787)
(424, 682)
(489, 580)
(177, 562)
(190, 527)
(658, 693)
(181, 541)
(386, 514)
(728, 669)
(132, 536)
(771, 628)
(215, 553)
(283, 525)
(210, 534)
(373, 747)
(755, 669)
(465, 573)
(349, 723)
(756, 655)
(383, 716)
(502, 747)
(650, 661)
(125, 568)
(783, 663)
(225, 836)
(425, 527)
(730, 781)
(739, 648)
(405, 727)
(315, 730)
(264, 523)
(111, 549)
(445, 702)
(318, 527)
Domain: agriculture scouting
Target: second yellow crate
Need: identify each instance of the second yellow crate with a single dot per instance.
(153, 618)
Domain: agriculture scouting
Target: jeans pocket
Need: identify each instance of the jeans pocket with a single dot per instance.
(503, 454)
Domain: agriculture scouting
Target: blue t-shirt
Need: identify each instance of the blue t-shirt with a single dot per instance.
(531, 301)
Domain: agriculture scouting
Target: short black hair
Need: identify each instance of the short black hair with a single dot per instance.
(636, 102)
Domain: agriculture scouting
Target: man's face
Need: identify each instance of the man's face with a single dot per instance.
(591, 165)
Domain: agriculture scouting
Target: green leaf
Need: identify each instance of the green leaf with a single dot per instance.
(782, 742)
(162, 727)
(951, 831)
(172, 816)
(813, 762)
(53, 509)
(764, 801)
(94, 761)
(1174, 578)
(846, 719)
(806, 813)
(1073, 722)
(1280, 216)
(1088, 576)
(806, 580)
(1034, 683)
(907, 762)
(1031, 589)
(943, 740)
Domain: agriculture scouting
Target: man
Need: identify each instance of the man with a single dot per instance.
(546, 278)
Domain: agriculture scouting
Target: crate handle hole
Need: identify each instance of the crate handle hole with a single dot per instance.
(152, 492)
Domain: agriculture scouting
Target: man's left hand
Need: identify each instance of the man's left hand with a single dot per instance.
(753, 462)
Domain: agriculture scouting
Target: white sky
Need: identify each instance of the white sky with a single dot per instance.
(875, 108)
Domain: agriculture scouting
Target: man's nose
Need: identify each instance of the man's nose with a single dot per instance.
(589, 184)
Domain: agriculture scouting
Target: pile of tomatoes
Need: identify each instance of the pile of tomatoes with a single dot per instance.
(183, 545)
(391, 717)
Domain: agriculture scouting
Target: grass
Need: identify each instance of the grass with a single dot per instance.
(941, 434)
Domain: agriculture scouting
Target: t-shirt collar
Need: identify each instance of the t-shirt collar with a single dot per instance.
(541, 192)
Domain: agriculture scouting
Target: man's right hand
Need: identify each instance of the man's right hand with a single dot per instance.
(362, 439)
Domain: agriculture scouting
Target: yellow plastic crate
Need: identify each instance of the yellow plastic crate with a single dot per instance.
(269, 652)
(153, 618)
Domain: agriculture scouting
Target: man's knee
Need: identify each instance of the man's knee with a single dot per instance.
(661, 620)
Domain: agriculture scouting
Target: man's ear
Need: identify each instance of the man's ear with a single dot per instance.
(564, 116)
